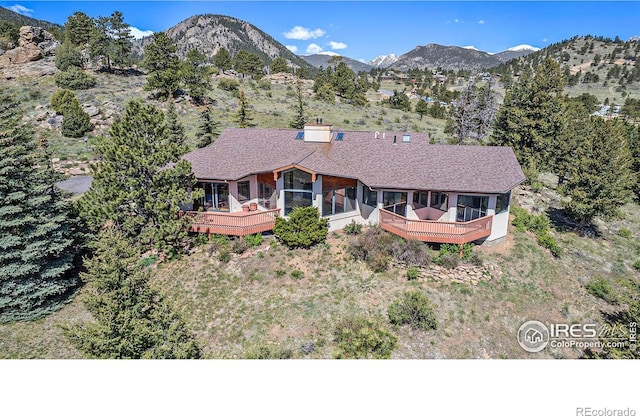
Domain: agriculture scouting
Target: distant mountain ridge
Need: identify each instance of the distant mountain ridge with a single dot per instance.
(322, 60)
(209, 33)
(10, 16)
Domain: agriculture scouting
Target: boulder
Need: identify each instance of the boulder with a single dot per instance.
(35, 43)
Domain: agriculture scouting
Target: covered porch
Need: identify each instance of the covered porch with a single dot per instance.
(431, 231)
(232, 223)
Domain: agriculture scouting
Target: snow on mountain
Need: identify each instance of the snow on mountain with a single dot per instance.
(383, 60)
(521, 48)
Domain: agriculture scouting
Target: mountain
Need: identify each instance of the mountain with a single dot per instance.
(210, 32)
(433, 56)
(322, 60)
(516, 52)
(383, 61)
(17, 19)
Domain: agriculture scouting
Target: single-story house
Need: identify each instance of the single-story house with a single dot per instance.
(433, 193)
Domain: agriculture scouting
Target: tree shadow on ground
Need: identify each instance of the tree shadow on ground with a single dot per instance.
(561, 221)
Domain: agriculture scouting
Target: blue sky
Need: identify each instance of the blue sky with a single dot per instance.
(365, 29)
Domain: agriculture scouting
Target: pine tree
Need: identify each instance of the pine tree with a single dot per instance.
(300, 108)
(141, 182)
(39, 237)
(222, 60)
(209, 128)
(163, 66)
(422, 108)
(132, 320)
(600, 178)
(78, 29)
(243, 116)
(279, 65)
(175, 128)
(120, 31)
(532, 117)
(196, 75)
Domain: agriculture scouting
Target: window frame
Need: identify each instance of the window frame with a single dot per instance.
(244, 197)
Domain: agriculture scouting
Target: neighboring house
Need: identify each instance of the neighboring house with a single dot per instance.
(433, 193)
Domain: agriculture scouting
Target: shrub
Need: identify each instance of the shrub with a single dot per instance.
(229, 84)
(413, 309)
(412, 273)
(359, 337)
(624, 233)
(62, 99)
(353, 228)
(224, 255)
(74, 79)
(148, 261)
(239, 245)
(546, 240)
(304, 228)
(76, 122)
(266, 352)
(601, 288)
(297, 274)
(378, 248)
(253, 240)
(450, 261)
(636, 265)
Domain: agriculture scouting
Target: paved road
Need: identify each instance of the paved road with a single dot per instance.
(76, 184)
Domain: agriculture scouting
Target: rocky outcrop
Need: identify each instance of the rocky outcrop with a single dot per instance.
(35, 43)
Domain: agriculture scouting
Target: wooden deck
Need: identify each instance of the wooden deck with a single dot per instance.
(436, 231)
(235, 223)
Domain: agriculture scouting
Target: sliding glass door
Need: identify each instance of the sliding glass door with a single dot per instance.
(216, 196)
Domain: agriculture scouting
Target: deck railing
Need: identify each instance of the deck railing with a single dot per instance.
(237, 223)
(436, 231)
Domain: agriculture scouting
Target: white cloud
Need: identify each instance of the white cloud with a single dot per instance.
(337, 45)
(545, 40)
(456, 20)
(292, 48)
(329, 53)
(480, 22)
(313, 48)
(303, 33)
(139, 34)
(20, 9)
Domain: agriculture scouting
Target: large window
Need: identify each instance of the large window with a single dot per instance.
(265, 194)
(502, 202)
(420, 199)
(297, 190)
(440, 200)
(216, 196)
(244, 191)
(338, 201)
(395, 202)
(369, 197)
(471, 207)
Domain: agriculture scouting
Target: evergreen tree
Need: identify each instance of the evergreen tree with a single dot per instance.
(209, 128)
(248, 63)
(299, 107)
(600, 179)
(531, 117)
(422, 108)
(132, 320)
(101, 42)
(279, 65)
(78, 29)
(120, 32)
(400, 101)
(163, 66)
(243, 116)
(39, 237)
(68, 56)
(174, 127)
(76, 121)
(222, 60)
(141, 181)
(196, 75)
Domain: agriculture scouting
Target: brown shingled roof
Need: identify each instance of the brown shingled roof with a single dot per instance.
(378, 163)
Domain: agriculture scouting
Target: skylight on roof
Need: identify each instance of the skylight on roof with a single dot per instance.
(339, 136)
(300, 135)
(406, 138)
